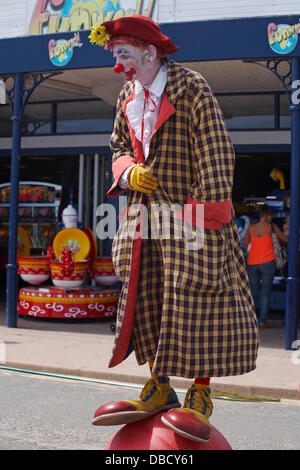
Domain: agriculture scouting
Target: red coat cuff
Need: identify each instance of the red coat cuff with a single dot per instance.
(211, 216)
(118, 168)
(217, 212)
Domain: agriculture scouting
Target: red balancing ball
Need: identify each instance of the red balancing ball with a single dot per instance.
(152, 434)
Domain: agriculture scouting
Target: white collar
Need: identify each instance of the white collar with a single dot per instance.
(157, 86)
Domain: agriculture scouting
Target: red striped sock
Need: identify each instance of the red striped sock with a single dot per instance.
(203, 381)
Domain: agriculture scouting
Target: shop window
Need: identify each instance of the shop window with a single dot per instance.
(5, 122)
(248, 111)
(37, 119)
(68, 117)
(241, 111)
(84, 117)
(285, 113)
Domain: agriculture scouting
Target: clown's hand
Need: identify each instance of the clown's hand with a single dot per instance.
(142, 180)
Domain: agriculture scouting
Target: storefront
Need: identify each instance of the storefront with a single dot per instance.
(245, 53)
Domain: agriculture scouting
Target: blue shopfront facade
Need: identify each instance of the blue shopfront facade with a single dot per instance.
(199, 41)
(267, 41)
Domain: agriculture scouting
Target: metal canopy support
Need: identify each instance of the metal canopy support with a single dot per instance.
(290, 81)
(97, 182)
(91, 193)
(100, 164)
(80, 188)
(18, 96)
(293, 281)
(11, 267)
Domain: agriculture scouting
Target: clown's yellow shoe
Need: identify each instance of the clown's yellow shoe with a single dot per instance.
(157, 395)
(192, 421)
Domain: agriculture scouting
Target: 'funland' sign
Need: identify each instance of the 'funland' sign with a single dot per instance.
(61, 50)
(61, 16)
(283, 38)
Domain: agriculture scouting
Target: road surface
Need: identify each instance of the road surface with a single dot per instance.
(47, 413)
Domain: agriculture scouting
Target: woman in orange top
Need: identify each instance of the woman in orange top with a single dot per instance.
(261, 259)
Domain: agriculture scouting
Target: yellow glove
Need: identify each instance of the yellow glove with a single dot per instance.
(142, 180)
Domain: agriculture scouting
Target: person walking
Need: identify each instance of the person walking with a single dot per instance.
(261, 260)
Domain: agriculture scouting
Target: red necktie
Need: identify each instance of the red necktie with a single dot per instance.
(146, 102)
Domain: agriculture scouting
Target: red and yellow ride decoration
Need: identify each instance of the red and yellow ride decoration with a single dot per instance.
(102, 270)
(93, 253)
(76, 240)
(23, 242)
(54, 302)
(72, 277)
(69, 261)
(33, 269)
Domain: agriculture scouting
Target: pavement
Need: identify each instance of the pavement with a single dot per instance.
(82, 348)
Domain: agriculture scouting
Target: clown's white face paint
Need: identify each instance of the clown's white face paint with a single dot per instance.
(135, 62)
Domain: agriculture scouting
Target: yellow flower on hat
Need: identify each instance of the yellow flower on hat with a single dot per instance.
(99, 35)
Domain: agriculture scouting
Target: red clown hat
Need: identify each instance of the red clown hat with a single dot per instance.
(141, 27)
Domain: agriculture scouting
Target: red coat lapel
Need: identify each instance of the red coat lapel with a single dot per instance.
(136, 144)
(166, 110)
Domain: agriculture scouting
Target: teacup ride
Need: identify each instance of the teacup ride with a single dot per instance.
(70, 278)
(102, 271)
(73, 303)
(66, 272)
(33, 269)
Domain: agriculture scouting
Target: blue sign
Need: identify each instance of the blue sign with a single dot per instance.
(283, 38)
(61, 50)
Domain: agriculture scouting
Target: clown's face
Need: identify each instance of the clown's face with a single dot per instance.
(135, 62)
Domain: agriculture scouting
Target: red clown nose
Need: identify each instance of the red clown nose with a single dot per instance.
(118, 68)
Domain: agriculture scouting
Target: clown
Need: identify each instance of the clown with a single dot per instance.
(187, 311)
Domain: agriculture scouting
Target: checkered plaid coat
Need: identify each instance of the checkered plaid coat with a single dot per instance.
(189, 310)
